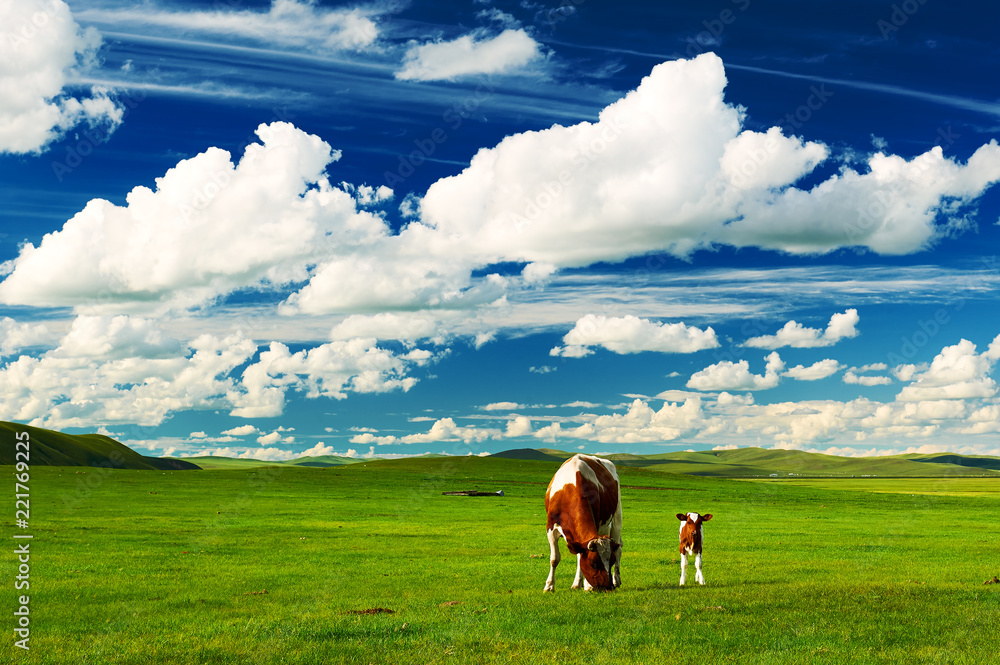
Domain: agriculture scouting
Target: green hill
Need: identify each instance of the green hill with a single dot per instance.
(530, 454)
(760, 462)
(51, 448)
(323, 460)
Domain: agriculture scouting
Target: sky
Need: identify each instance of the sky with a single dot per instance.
(393, 228)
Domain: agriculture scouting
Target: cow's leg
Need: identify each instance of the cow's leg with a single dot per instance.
(698, 574)
(554, 556)
(616, 556)
(579, 576)
(684, 568)
(616, 552)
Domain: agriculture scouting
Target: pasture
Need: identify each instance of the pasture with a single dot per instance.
(296, 565)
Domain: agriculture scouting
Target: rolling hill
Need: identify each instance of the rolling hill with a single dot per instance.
(51, 448)
(760, 462)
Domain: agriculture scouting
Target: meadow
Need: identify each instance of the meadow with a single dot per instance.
(369, 563)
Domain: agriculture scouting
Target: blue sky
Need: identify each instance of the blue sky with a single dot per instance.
(394, 228)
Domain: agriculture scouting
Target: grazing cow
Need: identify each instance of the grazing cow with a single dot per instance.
(583, 506)
(691, 538)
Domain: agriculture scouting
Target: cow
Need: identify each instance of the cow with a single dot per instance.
(584, 507)
(691, 539)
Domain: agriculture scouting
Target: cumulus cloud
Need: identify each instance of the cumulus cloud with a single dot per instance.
(550, 199)
(596, 191)
(319, 450)
(296, 24)
(865, 379)
(210, 227)
(242, 430)
(957, 372)
(642, 424)
(329, 370)
(445, 429)
(469, 55)
(815, 372)
(630, 334)
(15, 336)
(368, 438)
(796, 335)
(727, 375)
(274, 437)
(520, 426)
(41, 49)
(115, 369)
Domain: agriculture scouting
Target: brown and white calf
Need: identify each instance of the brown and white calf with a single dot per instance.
(691, 539)
(584, 507)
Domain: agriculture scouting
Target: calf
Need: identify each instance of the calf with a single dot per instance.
(583, 506)
(691, 539)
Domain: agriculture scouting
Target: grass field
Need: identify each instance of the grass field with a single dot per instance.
(289, 565)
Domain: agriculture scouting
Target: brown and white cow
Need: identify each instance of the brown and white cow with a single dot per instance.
(691, 538)
(583, 506)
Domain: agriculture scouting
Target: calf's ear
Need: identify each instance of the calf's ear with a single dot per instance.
(705, 518)
(682, 517)
(592, 545)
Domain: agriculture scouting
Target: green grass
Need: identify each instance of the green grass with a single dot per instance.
(150, 566)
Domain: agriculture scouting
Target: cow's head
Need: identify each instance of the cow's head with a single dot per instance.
(595, 564)
(693, 518)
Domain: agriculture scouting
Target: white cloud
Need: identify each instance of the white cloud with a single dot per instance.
(866, 380)
(596, 191)
(328, 370)
(274, 437)
(387, 325)
(295, 24)
(502, 406)
(642, 424)
(368, 438)
(727, 375)
(242, 430)
(469, 55)
(445, 429)
(109, 370)
(209, 228)
(957, 372)
(816, 371)
(796, 335)
(15, 336)
(41, 50)
(520, 426)
(319, 450)
(120, 374)
(630, 334)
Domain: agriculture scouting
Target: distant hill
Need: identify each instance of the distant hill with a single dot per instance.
(213, 462)
(530, 454)
(760, 462)
(51, 448)
(323, 460)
